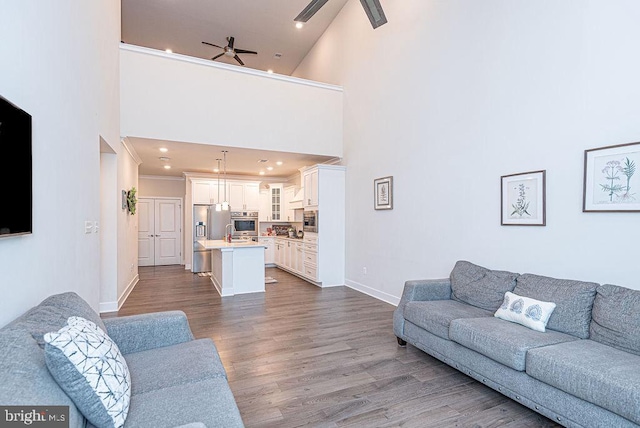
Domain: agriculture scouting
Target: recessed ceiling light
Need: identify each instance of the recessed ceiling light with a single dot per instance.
(216, 170)
(167, 167)
(261, 172)
(299, 25)
(164, 149)
(279, 163)
(270, 71)
(168, 51)
(269, 168)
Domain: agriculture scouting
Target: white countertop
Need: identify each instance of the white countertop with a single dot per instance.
(219, 244)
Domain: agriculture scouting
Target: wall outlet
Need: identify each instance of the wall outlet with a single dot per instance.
(88, 226)
(364, 270)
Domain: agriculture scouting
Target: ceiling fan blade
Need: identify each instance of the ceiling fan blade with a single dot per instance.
(217, 56)
(243, 51)
(239, 60)
(310, 10)
(211, 44)
(374, 11)
(231, 40)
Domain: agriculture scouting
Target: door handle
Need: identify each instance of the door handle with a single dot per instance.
(150, 236)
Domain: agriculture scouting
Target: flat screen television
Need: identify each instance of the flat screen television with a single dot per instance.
(16, 171)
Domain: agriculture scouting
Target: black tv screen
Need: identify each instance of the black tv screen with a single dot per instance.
(15, 174)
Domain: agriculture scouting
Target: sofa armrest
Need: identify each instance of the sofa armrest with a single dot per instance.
(137, 333)
(419, 290)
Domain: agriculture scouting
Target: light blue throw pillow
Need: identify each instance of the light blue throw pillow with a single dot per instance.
(89, 367)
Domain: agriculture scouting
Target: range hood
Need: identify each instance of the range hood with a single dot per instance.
(297, 202)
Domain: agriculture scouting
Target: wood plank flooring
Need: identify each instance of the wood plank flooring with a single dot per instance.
(299, 355)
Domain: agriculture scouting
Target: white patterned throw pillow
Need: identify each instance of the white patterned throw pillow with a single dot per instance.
(526, 311)
(89, 367)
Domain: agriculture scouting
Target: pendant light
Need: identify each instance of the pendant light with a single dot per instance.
(218, 204)
(225, 203)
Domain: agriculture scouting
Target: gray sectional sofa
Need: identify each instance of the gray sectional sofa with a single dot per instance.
(583, 371)
(175, 379)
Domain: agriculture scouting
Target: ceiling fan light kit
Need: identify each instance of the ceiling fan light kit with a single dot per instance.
(230, 50)
(373, 8)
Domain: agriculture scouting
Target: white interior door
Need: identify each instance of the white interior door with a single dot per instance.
(167, 231)
(159, 232)
(146, 232)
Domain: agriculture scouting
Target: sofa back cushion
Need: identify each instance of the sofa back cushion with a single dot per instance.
(573, 299)
(616, 318)
(26, 379)
(52, 314)
(481, 287)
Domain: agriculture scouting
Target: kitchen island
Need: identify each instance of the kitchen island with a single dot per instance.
(236, 267)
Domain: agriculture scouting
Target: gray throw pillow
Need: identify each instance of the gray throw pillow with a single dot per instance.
(89, 367)
(481, 287)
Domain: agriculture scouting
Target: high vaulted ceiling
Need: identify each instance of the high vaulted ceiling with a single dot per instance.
(265, 26)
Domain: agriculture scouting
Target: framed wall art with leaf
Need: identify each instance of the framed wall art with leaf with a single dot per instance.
(523, 199)
(611, 179)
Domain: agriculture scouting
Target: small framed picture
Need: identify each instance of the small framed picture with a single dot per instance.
(611, 183)
(383, 193)
(522, 199)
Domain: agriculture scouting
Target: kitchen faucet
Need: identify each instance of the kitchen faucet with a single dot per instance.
(227, 234)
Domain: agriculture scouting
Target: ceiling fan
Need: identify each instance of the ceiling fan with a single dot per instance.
(230, 50)
(371, 7)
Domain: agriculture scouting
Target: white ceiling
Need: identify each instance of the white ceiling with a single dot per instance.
(201, 159)
(265, 26)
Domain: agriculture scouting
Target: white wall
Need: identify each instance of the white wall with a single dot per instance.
(155, 186)
(173, 97)
(450, 95)
(59, 63)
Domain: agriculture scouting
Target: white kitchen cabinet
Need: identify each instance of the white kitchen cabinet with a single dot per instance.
(279, 252)
(205, 192)
(276, 202)
(269, 250)
(310, 180)
(298, 263)
(264, 211)
(244, 196)
(324, 254)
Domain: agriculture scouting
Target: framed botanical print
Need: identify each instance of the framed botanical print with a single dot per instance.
(522, 199)
(383, 193)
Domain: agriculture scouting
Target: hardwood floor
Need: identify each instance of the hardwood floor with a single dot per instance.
(299, 355)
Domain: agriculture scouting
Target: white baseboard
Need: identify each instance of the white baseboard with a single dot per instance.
(128, 290)
(108, 307)
(373, 292)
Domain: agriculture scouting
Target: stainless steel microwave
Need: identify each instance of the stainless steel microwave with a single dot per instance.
(310, 221)
(244, 223)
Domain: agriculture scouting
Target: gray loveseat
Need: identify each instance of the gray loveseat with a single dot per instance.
(175, 379)
(583, 371)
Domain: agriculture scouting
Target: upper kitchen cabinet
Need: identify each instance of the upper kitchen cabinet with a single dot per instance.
(310, 181)
(244, 196)
(205, 192)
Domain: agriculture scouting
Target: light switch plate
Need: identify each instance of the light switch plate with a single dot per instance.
(88, 226)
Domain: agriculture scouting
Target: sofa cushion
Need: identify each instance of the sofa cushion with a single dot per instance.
(174, 365)
(479, 286)
(502, 341)
(26, 379)
(616, 318)
(597, 373)
(435, 316)
(531, 313)
(209, 402)
(52, 314)
(89, 367)
(573, 299)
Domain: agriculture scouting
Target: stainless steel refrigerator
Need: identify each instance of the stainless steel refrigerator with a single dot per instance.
(207, 224)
